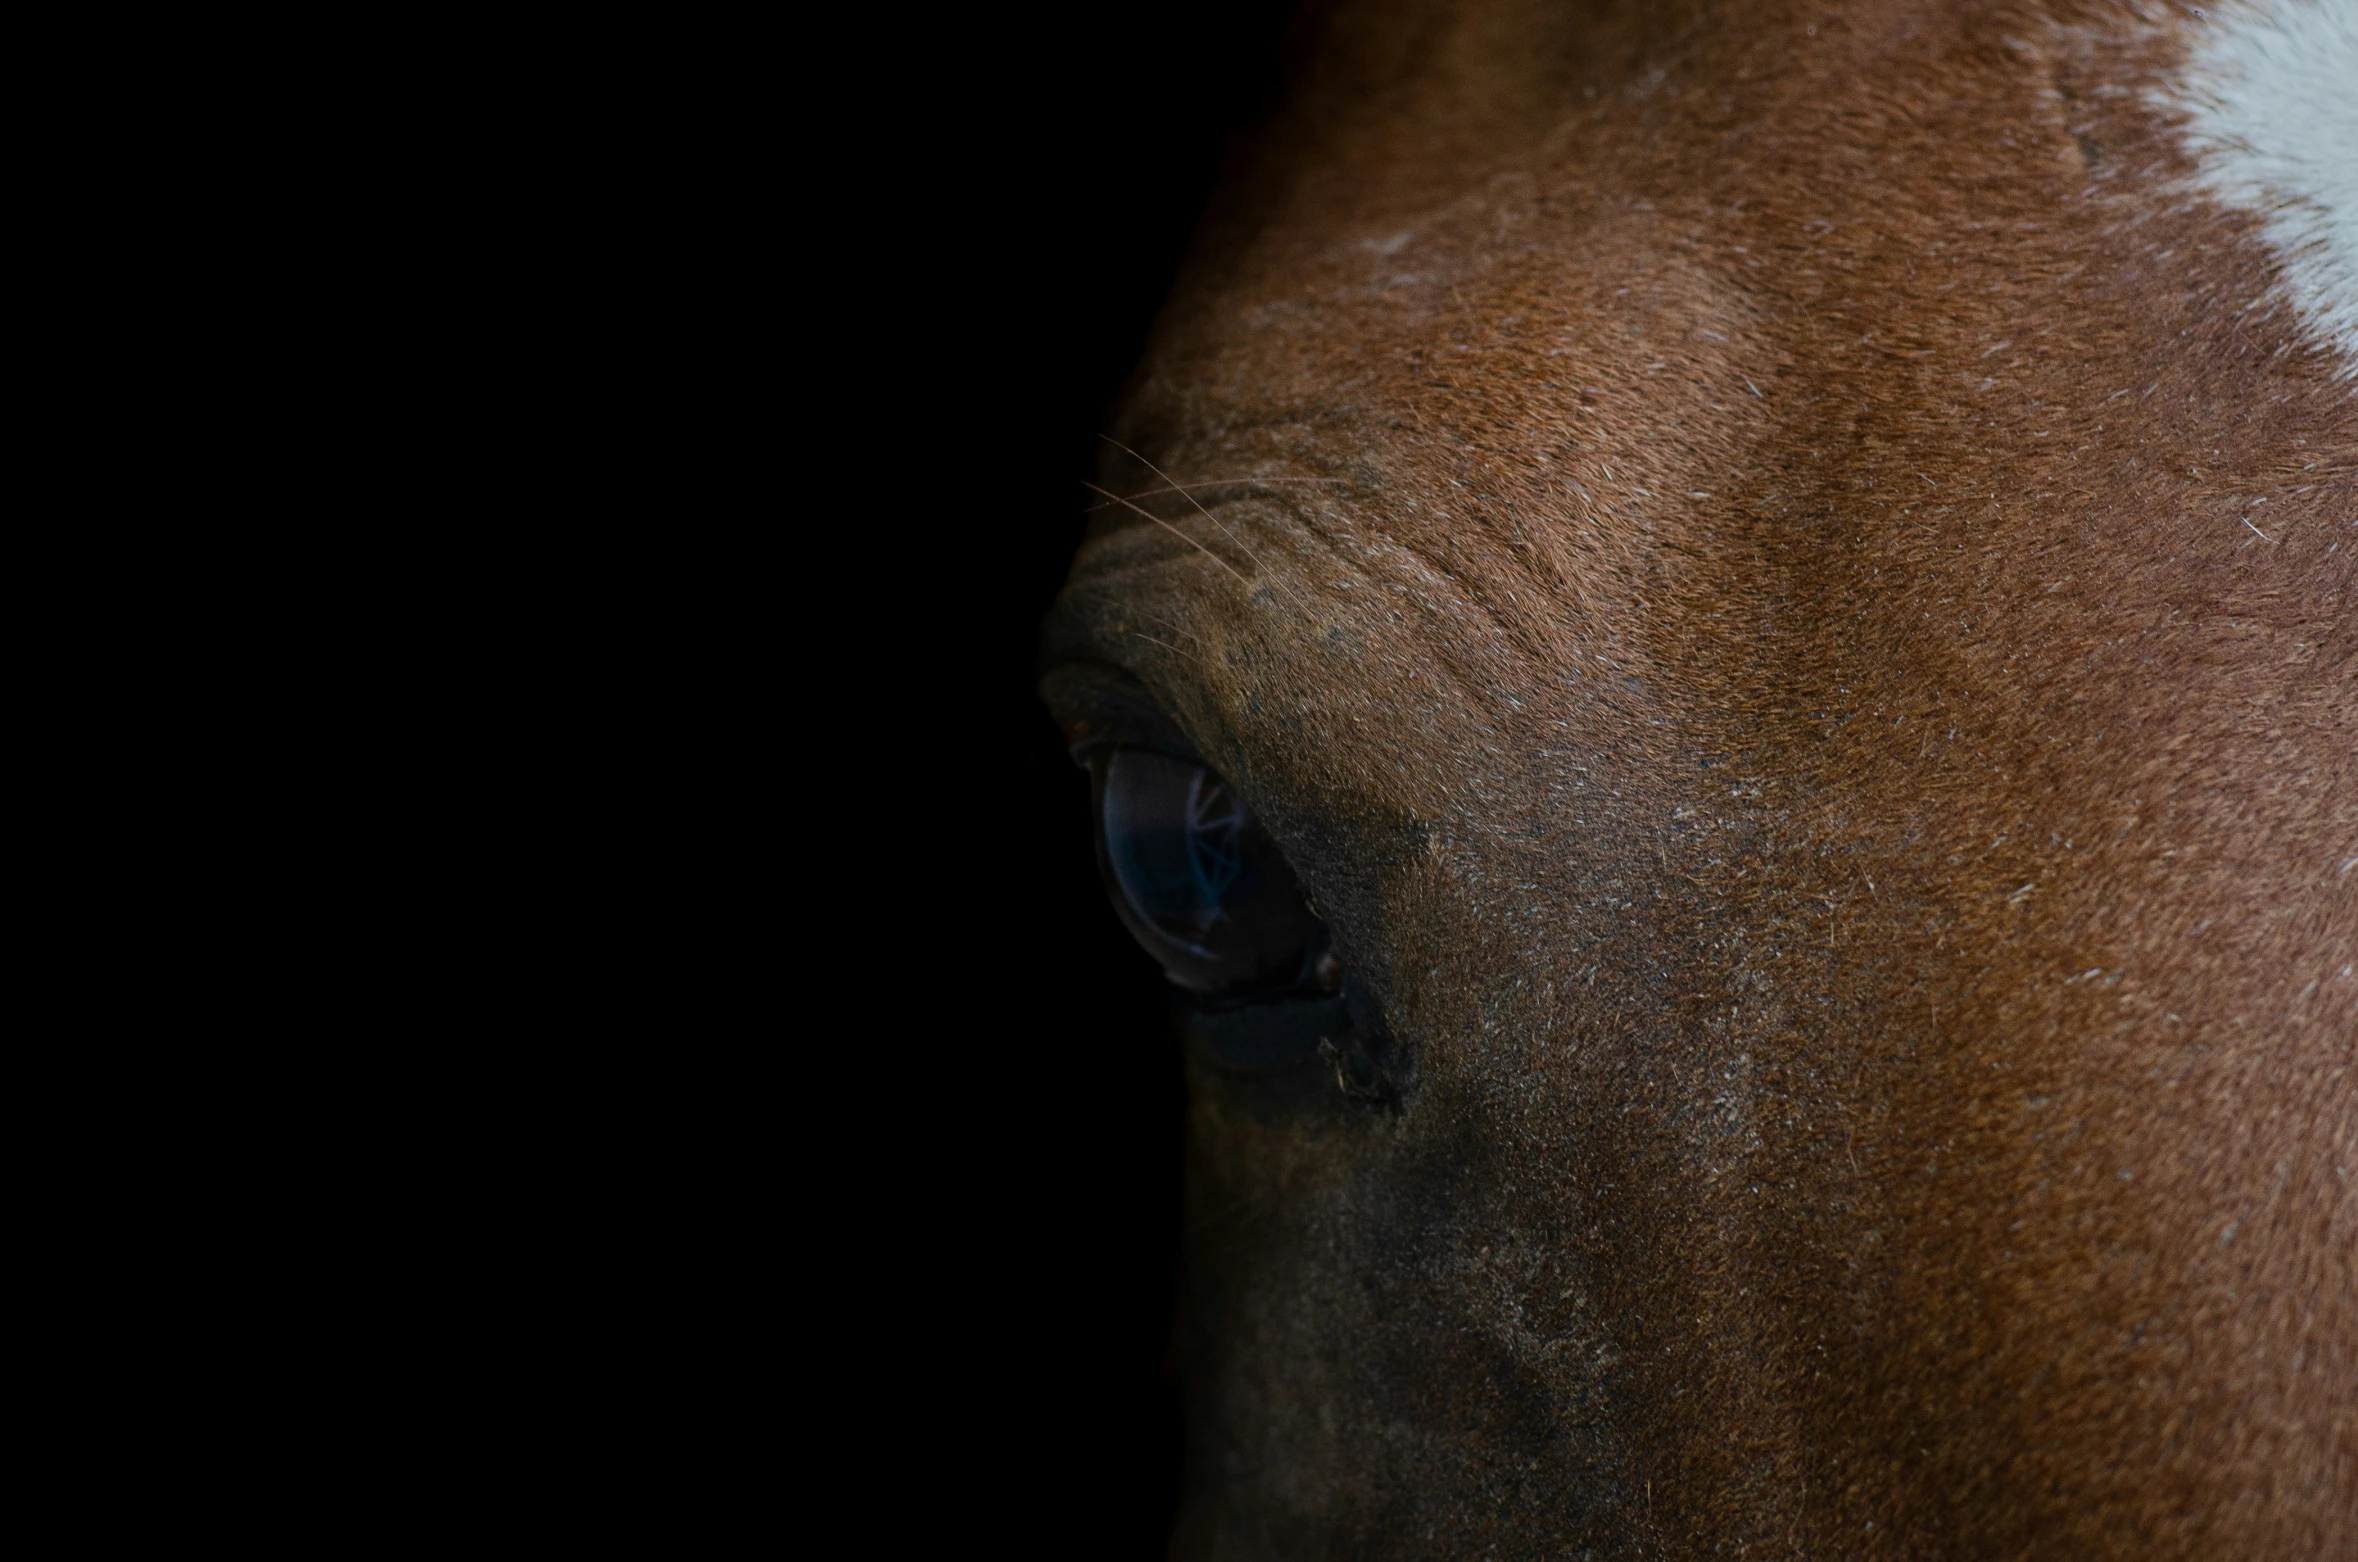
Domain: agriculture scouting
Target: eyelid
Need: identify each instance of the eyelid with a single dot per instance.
(1102, 708)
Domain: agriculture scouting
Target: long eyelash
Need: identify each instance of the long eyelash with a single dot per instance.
(1217, 482)
(1177, 629)
(1182, 536)
(1168, 646)
(1191, 499)
(1285, 588)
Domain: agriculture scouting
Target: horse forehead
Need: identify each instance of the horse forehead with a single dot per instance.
(1913, 206)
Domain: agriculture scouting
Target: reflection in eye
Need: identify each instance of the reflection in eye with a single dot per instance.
(1199, 882)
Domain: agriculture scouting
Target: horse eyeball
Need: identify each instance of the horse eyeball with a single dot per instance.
(1199, 883)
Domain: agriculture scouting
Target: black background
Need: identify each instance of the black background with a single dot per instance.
(1079, 156)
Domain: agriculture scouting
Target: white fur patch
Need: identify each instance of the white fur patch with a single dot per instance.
(2271, 95)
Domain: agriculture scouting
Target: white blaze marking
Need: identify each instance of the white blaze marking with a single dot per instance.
(2271, 94)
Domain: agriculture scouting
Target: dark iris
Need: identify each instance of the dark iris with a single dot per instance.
(1199, 881)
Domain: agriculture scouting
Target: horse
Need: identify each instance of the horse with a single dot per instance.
(1716, 651)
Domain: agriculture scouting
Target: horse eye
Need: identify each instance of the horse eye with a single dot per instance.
(1200, 884)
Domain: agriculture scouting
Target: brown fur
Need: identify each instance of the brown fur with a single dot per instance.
(1786, 711)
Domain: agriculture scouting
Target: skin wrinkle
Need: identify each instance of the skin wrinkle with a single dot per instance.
(1775, 697)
